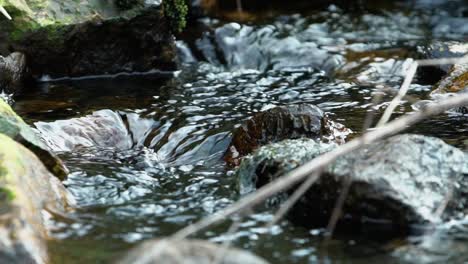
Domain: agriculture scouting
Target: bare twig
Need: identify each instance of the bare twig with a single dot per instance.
(286, 206)
(335, 216)
(409, 78)
(401, 93)
(5, 13)
(227, 243)
(239, 6)
(299, 174)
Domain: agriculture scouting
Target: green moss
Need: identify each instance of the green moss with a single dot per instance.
(176, 12)
(6, 194)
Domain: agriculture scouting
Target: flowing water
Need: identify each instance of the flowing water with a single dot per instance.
(145, 151)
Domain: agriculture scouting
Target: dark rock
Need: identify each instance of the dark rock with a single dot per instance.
(13, 72)
(188, 252)
(455, 81)
(400, 181)
(279, 123)
(138, 44)
(26, 189)
(437, 50)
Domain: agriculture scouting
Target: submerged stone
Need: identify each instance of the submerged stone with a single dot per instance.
(279, 123)
(400, 181)
(188, 252)
(13, 126)
(26, 189)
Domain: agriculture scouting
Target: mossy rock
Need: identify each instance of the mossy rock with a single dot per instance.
(26, 189)
(30, 15)
(140, 43)
(14, 127)
(395, 183)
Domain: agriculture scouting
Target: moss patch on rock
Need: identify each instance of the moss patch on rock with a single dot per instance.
(26, 188)
(176, 12)
(14, 127)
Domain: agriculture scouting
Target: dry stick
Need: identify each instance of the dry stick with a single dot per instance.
(226, 244)
(239, 6)
(286, 206)
(299, 174)
(5, 13)
(338, 207)
(401, 93)
(409, 78)
(294, 198)
(386, 116)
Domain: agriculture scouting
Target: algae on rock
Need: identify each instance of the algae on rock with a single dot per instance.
(26, 189)
(14, 127)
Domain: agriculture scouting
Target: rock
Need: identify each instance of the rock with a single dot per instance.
(245, 47)
(397, 182)
(88, 37)
(138, 44)
(187, 252)
(26, 188)
(13, 72)
(13, 126)
(441, 49)
(455, 81)
(279, 123)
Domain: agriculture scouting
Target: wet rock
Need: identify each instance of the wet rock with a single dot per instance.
(13, 72)
(140, 43)
(265, 48)
(396, 182)
(26, 188)
(279, 123)
(13, 126)
(443, 49)
(188, 252)
(455, 81)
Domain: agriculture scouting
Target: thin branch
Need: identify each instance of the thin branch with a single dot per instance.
(5, 13)
(227, 243)
(239, 6)
(300, 173)
(335, 216)
(409, 78)
(286, 206)
(401, 93)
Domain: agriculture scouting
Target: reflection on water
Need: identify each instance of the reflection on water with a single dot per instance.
(145, 153)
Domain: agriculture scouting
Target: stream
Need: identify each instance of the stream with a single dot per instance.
(145, 151)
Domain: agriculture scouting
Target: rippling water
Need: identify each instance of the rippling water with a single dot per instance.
(145, 152)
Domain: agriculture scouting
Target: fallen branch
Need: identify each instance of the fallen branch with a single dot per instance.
(300, 173)
(5, 13)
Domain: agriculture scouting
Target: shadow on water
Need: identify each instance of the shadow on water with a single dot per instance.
(145, 153)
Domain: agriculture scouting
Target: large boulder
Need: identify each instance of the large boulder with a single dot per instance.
(26, 189)
(95, 38)
(279, 123)
(399, 181)
(13, 126)
(13, 72)
(187, 252)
